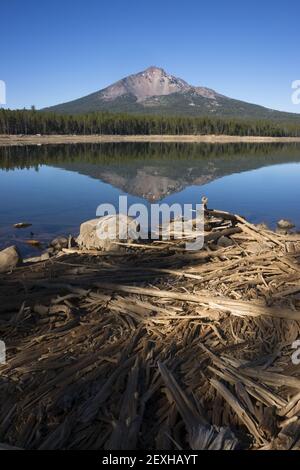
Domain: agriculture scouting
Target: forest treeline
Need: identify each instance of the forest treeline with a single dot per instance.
(29, 122)
(131, 155)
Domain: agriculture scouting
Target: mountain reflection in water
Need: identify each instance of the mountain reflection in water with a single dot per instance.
(56, 187)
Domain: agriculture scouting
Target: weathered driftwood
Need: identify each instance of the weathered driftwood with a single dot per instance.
(154, 346)
(238, 308)
(202, 436)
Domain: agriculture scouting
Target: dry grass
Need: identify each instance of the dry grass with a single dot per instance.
(72, 139)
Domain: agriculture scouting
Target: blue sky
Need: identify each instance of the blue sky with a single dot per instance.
(51, 52)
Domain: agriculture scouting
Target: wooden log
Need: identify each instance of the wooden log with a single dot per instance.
(238, 308)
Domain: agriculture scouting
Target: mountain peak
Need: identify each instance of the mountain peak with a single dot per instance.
(153, 68)
(155, 91)
(153, 81)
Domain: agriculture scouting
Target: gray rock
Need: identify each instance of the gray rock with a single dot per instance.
(22, 225)
(59, 243)
(225, 242)
(9, 259)
(285, 224)
(101, 233)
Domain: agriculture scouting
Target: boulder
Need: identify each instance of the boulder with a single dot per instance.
(59, 243)
(101, 233)
(285, 224)
(9, 259)
(22, 225)
(225, 242)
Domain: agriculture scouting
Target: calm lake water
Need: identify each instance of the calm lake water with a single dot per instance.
(55, 188)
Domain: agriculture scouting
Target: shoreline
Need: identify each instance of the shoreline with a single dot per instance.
(139, 322)
(10, 140)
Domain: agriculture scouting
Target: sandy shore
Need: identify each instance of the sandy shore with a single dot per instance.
(76, 139)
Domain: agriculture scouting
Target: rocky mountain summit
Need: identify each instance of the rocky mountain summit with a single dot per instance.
(154, 91)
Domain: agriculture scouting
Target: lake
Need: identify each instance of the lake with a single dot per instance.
(56, 187)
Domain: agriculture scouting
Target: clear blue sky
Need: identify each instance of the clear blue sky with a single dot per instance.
(55, 51)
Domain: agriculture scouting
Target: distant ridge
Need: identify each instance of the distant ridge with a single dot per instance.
(154, 91)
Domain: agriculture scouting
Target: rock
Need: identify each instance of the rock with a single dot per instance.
(213, 247)
(9, 259)
(59, 243)
(225, 242)
(22, 225)
(101, 233)
(33, 242)
(285, 224)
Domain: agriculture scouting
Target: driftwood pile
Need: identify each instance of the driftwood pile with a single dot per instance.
(155, 347)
